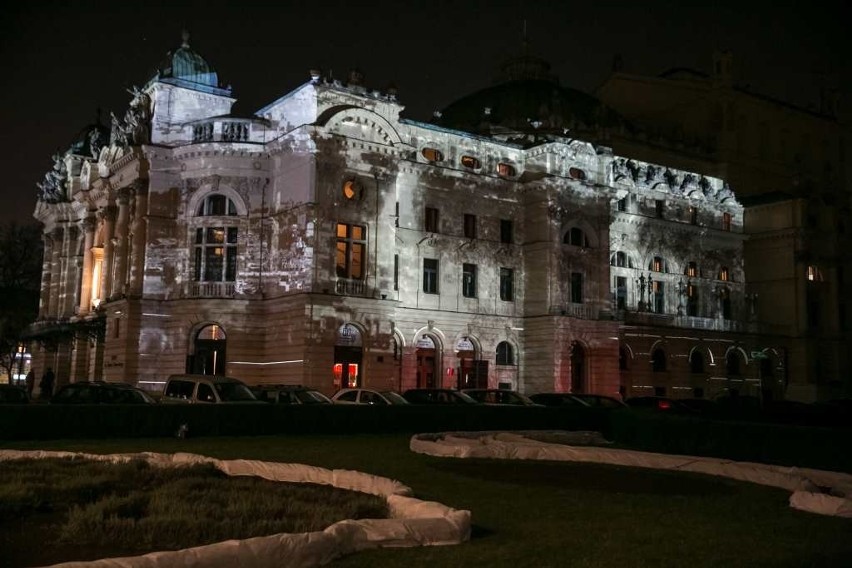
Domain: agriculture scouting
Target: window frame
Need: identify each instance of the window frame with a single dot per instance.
(469, 280)
(507, 284)
(431, 273)
(350, 243)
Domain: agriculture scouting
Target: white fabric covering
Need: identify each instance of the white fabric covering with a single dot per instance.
(813, 490)
(412, 522)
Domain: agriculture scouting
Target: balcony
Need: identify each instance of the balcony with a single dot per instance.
(210, 290)
(222, 130)
(351, 287)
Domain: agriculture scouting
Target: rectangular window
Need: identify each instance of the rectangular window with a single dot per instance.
(660, 208)
(724, 275)
(576, 288)
(692, 270)
(430, 275)
(507, 284)
(726, 221)
(430, 224)
(620, 293)
(693, 215)
(469, 226)
(350, 259)
(215, 254)
(621, 204)
(396, 272)
(469, 280)
(506, 231)
(658, 297)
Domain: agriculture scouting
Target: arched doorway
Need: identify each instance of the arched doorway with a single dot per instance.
(426, 353)
(473, 372)
(348, 356)
(578, 368)
(209, 348)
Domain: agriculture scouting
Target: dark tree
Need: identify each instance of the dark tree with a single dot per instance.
(20, 282)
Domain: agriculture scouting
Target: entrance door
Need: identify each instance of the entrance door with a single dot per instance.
(210, 351)
(578, 368)
(426, 378)
(347, 367)
(473, 374)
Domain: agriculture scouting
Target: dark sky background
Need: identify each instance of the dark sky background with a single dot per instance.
(64, 60)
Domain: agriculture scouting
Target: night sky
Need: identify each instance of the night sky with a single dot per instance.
(62, 61)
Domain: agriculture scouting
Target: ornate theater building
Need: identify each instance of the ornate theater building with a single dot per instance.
(328, 241)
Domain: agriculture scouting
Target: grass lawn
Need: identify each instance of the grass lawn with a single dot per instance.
(553, 514)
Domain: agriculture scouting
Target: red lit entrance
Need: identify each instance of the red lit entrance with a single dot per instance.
(427, 377)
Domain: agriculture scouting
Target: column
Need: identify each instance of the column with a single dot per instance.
(46, 275)
(86, 283)
(119, 279)
(137, 257)
(56, 236)
(108, 215)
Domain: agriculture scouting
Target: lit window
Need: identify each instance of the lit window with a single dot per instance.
(658, 264)
(470, 162)
(432, 154)
(469, 280)
(724, 275)
(430, 275)
(469, 226)
(505, 170)
(726, 221)
(351, 189)
(692, 270)
(215, 254)
(577, 173)
(814, 274)
(507, 284)
(430, 224)
(351, 251)
(505, 353)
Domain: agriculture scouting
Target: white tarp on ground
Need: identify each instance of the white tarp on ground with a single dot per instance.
(412, 522)
(813, 490)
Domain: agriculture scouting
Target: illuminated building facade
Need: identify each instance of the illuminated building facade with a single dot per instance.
(327, 241)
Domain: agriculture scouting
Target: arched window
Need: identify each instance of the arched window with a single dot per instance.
(621, 259)
(691, 269)
(576, 237)
(215, 251)
(216, 205)
(658, 264)
(696, 362)
(658, 360)
(505, 353)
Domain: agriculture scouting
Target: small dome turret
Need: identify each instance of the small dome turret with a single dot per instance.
(187, 67)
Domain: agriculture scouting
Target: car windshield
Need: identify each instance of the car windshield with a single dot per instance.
(311, 397)
(234, 392)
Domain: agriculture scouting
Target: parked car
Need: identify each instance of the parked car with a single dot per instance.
(500, 396)
(206, 389)
(289, 394)
(557, 399)
(100, 392)
(600, 400)
(367, 396)
(13, 394)
(437, 396)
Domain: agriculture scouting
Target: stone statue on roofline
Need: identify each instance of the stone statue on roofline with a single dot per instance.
(52, 189)
(134, 129)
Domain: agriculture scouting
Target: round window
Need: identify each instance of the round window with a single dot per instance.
(351, 189)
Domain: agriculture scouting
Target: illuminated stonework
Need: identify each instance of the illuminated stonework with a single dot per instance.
(332, 243)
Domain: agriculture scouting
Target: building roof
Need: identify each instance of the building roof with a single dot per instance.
(187, 68)
(528, 99)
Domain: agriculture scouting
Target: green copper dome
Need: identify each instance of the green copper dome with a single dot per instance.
(186, 68)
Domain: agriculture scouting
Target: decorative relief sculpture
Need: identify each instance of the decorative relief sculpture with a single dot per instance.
(135, 128)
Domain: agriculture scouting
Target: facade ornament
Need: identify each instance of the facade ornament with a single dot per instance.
(52, 189)
(134, 129)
